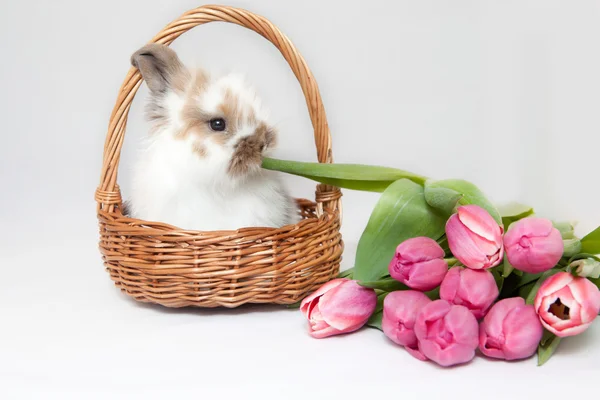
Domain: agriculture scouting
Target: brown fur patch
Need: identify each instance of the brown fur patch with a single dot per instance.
(199, 81)
(267, 134)
(249, 151)
(195, 121)
(230, 110)
(163, 72)
(161, 68)
(235, 112)
(199, 149)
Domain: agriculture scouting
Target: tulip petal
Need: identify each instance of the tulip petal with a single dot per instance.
(450, 284)
(462, 245)
(550, 286)
(400, 309)
(416, 353)
(487, 247)
(548, 301)
(527, 227)
(454, 354)
(490, 345)
(575, 330)
(404, 305)
(567, 300)
(587, 295)
(533, 245)
(494, 319)
(318, 325)
(479, 221)
(305, 305)
(545, 252)
(479, 288)
(463, 326)
(419, 249)
(522, 333)
(347, 305)
(426, 275)
(323, 333)
(430, 312)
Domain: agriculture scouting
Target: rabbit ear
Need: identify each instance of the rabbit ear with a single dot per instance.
(160, 67)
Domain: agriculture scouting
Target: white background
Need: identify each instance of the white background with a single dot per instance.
(505, 94)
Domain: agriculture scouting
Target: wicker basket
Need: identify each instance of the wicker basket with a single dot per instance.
(159, 263)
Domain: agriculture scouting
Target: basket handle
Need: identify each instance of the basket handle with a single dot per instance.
(108, 194)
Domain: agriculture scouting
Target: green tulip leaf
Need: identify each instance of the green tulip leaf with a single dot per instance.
(447, 194)
(498, 277)
(400, 214)
(433, 294)
(348, 176)
(294, 306)
(546, 337)
(512, 212)
(375, 320)
(380, 298)
(377, 316)
(546, 350)
(443, 242)
(507, 267)
(443, 199)
(526, 278)
(523, 291)
(346, 273)
(591, 242)
(386, 284)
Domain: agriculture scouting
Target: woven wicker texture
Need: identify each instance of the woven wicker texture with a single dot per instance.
(159, 263)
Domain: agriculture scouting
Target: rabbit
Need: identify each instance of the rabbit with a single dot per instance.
(200, 168)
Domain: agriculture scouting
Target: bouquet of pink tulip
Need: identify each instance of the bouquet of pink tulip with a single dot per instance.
(443, 272)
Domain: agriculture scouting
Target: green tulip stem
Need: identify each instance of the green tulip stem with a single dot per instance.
(452, 261)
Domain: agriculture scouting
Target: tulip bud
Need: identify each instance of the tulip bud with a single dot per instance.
(419, 264)
(533, 245)
(474, 289)
(339, 306)
(511, 330)
(571, 247)
(587, 268)
(475, 238)
(567, 305)
(447, 333)
(400, 311)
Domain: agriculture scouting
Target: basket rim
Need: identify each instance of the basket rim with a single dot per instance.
(165, 228)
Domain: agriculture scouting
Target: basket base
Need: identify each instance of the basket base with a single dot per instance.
(156, 263)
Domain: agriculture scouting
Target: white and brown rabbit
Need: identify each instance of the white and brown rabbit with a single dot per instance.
(201, 166)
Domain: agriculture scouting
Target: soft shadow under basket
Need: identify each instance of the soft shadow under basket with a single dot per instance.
(159, 263)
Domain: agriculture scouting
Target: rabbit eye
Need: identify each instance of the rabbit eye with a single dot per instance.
(217, 124)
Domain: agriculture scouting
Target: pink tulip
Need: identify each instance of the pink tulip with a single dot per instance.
(400, 311)
(339, 306)
(533, 245)
(419, 264)
(567, 305)
(475, 238)
(474, 289)
(511, 330)
(447, 333)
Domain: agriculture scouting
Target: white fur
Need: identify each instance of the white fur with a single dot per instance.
(175, 185)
